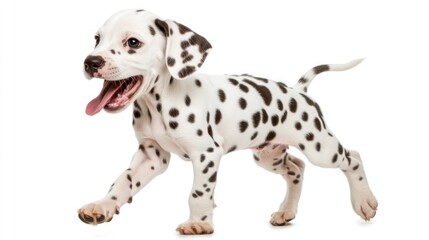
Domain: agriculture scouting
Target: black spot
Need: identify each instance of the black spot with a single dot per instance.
(264, 145)
(278, 162)
(264, 116)
(293, 105)
(187, 59)
(243, 126)
(152, 30)
(186, 71)
(317, 124)
(254, 136)
(282, 87)
(360, 178)
(213, 177)
(232, 149)
(270, 136)
(159, 107)
(243, 88)
(221, 95)
(203, 44)
(301, 146)
(150, 115)
(136, 105)
(194, 195)
(263, 91)
(320, 69)
(298, 126)
(173, 124)
(355, 167)
(199, 193)
(233, 81)
(284, 116)
(209, 165)
(152, 168)
(141, 147)
(319, 111)
(304, 116)
(334, 158)
(112, 51)
(185, 44)
(157, 152)
(138, 184)
(136, 114)
(140, 10)
(208, 117)
(199, 132)
(296, 181)
(256, 118)
(204, 218)
(309, 136)
(198, 83)
(157, 97)
(279, 105)
(340, 149)
(191, 118)
(292, 173)
(129, 177)
(210, 131)
(162, 26)
(202, 158)
(184, 54)
(275, 120)
(171, 80)
(255, 157)
(114, 198)
(242, 102)
(187, 100)
(218, 116)
(131, 51)
(303, 80)
(307, 99)
(210, 149)
(318, 146)
(171, 61)
(174, 112)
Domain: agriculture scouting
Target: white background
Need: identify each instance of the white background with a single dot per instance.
(54, 158)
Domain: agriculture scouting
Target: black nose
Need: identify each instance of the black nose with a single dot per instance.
(93, 63)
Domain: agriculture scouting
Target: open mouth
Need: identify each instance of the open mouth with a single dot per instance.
(115, 95)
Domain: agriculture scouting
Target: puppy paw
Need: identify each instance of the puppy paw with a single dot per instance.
(282, 218)
(193, 228)
(365, 205)
(98, 212)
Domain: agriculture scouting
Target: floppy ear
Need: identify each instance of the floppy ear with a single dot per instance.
(185, 49)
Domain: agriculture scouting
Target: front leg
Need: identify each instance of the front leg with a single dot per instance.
(201, 202)
(149, 161)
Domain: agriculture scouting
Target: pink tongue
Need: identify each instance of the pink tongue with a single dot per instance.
(101, 100)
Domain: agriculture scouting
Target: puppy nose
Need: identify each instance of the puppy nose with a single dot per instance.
(93, 63)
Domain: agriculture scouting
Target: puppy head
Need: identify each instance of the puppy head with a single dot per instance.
(132, 48)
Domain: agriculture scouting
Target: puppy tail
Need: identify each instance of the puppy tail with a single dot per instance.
(304, 82)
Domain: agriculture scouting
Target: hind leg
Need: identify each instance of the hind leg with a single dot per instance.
(363, 201)
(275, 158)
(324, 150)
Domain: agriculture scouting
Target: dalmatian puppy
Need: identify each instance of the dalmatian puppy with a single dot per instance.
(151, 63)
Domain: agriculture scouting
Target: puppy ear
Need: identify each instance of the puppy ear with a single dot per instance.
(185, 50)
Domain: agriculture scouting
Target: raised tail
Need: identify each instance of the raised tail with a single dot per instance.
(304, 82)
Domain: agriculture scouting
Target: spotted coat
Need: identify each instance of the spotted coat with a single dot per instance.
(201, 117)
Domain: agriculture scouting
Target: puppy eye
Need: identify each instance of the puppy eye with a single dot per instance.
(134, 43)
(97, 40)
